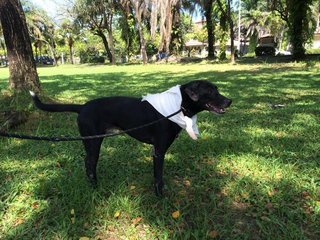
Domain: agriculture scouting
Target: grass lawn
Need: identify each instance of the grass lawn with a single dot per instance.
(253, 174)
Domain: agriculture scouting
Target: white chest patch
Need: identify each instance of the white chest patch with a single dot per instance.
(169, 102)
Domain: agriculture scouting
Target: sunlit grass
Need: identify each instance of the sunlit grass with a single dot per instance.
(253, 174)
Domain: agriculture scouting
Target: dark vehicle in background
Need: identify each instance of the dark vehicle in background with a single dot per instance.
(265, 51)
(266, 46)
(45, 60)
(3, 60)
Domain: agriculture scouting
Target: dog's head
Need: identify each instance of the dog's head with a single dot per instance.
(202, 95)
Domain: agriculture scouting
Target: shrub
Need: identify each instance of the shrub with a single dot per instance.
(313, 51)
(265, 51)
(91, 55)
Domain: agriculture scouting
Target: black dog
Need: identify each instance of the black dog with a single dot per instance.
(97, 116)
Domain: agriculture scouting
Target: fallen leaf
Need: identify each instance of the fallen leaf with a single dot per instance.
(35, 205)
(278, 176)
(187, 183)
(213, 234)
(177, 201)
(269, 206)
(205, 137)
(132, 187)
(18, 222)
(273, 192)
(182, 193)
(117, 214)
(305, 194)
(265, 218)
(84, 238)
(72, 220)
(86, 225)
(72, 211)
(245, 195)
(8, 178)
(175, 214)
(111, 228)
(136, 220)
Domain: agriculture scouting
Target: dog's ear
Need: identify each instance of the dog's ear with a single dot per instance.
(192, 91)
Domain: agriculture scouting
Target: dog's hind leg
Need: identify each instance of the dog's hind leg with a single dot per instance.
(92, 148)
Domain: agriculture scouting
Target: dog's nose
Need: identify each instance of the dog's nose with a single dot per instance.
(228, 102)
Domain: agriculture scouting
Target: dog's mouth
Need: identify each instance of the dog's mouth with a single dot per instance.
(215, 109)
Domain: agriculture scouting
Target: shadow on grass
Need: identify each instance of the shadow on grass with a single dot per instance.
(202, 178)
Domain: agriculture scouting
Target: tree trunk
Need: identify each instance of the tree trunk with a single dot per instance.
(233, 59)
(124, 6)
(138, 7)
(106, 44)
(142, 44)
(298, 27)
(70, 44)
(231, 31)
(166, 19)
(22, 67)
(53, 51)
(111, 42)
(223, 37)
(210, 28)
(113, 59)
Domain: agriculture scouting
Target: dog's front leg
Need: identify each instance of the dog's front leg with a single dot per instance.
(160, 148)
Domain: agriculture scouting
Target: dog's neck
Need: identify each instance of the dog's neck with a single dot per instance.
(187, 105)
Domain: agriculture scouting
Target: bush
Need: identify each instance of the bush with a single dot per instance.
(313, 51)
(91, 55)
(265, 51)
(249, 54)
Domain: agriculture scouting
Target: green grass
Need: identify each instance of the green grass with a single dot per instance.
(253, 174)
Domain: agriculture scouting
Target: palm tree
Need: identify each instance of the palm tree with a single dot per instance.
(226, 11)
(207, 7)
(207, 10)
(41, 30)
(254, 21)
(71, 32)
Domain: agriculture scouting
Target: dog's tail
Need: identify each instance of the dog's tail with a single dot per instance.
(55, 107)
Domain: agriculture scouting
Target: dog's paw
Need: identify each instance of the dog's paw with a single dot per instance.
(93, 181)
(158, 189)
